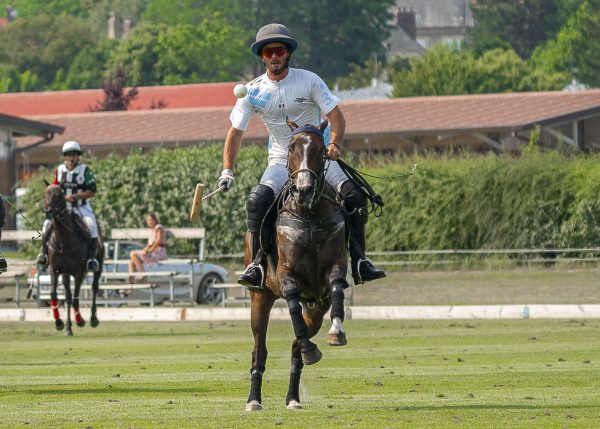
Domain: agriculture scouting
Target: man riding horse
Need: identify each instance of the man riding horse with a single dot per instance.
(300, 95)
(79, 184)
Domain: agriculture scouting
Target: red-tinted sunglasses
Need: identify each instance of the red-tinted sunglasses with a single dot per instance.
(280, 51)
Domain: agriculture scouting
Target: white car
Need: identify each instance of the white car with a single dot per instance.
(194, 280)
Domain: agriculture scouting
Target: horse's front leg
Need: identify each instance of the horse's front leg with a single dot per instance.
(291, 293)
(261, 305)
(93, 318)
(60, 325)
(78, 281)
(68, 300)
(337, 282)
(314, 320)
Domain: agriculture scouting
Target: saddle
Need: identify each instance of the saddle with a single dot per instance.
(82, 228)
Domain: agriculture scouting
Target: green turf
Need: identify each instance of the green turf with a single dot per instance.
(414, 374)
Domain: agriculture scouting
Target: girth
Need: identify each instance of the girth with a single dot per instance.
(311, 225)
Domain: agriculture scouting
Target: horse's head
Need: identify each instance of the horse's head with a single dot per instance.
(306, 161)
(54, 200)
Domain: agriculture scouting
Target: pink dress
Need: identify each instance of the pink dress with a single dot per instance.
(160, 252)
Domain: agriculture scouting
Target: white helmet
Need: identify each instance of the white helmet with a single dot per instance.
(71, 146)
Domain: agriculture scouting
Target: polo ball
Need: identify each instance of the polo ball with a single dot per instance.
(240, 90)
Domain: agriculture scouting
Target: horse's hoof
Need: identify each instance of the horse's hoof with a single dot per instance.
(94, 322)
(337, 339)
(68, 333)
(254, 405)
(60, 325)
(294, 405)
(311, 356)
(80, 323)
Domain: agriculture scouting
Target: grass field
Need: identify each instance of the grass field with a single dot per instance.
(419, 374)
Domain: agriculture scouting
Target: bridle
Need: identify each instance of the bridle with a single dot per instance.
(59, 213)
(318, 176)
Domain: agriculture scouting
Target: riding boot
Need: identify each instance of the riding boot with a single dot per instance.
(363, 269)
(92, 263)
(254, 275)
(42, 257)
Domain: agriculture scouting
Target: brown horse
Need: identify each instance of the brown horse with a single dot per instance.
(67, 255)
(308, 266)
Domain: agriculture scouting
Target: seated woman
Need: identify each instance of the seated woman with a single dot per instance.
(154, 251)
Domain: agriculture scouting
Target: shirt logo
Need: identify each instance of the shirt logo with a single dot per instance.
(258, 98)
(300, 100)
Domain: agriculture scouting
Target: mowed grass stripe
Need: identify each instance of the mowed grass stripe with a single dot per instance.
(522, 373)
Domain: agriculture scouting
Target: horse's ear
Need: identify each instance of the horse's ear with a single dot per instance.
(323, 125)
(46, 182)
(290, 123)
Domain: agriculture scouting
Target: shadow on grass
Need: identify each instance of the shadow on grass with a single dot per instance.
(124, 390)
(493, 407)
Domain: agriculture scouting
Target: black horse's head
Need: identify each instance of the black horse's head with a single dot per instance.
(54, 200)
(306, 161)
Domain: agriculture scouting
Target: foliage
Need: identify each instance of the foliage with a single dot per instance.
(542, 200)
(115, 97)
(450, 70)
(43, 45)
(163, 181)
(575, 50)
(523, 24)
(328, 46)
(87, 69)
(361, 76)
(156, 54)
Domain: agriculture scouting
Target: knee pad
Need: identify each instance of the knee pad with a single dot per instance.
(355, 202)
(259, 201)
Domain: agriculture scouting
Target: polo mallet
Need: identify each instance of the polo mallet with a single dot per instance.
(198, 198)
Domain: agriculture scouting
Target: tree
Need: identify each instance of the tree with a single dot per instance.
(575, 50)
(43, 45)
(448, 70)
(156, 54)
(329, 46)
(444, 70)
(523, 24)
(115, 97)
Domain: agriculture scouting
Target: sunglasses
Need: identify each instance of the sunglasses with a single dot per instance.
(280, 51)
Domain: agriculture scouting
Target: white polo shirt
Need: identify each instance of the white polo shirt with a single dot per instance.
(302, 96)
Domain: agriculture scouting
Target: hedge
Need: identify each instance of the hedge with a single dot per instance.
(541, 200)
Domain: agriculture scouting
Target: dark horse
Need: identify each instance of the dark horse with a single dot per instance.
(67, 255)
(308, 266)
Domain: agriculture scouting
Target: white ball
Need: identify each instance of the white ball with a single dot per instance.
(240, 90)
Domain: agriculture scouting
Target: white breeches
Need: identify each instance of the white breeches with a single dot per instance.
(88, 216)
(276, 174)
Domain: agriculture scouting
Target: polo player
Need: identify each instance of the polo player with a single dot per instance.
(302, 96)
(79, 185)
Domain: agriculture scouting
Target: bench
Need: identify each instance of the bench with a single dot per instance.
(142, 234)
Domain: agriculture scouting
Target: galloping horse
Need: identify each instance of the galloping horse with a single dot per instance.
(308, 266)
(67, 255)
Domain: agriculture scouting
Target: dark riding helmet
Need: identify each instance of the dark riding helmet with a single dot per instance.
(273, 33)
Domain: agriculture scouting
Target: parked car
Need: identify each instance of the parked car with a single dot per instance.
(193, 276)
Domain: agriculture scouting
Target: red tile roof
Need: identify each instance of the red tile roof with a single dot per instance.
(62, 102)
(398, 116)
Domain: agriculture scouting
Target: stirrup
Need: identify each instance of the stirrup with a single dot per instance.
(92, 265)
(42, 259)
(243, 280)
(356, 274)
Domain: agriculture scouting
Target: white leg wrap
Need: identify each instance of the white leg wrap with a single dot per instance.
(336, 326)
